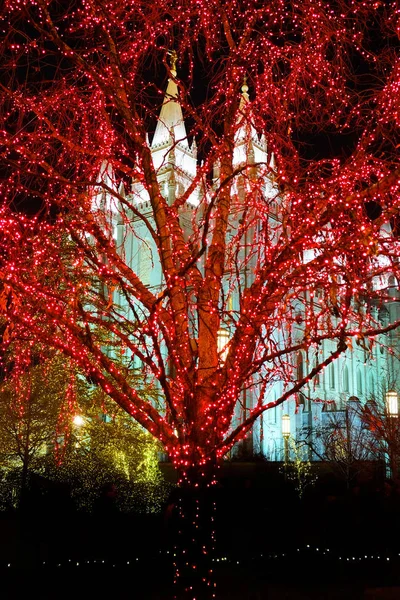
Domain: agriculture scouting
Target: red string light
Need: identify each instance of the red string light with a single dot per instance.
(277, 232)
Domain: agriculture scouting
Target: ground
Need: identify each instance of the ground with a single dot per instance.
(334, 543)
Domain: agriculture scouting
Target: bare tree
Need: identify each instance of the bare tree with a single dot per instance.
(343, 441)
(384, 434)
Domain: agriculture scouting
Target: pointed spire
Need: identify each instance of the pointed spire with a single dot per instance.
(170, 122)
(194, 148)
(249, 148)
(121, 189)
(244, 100)
(245, 89)
(103, 199)
(172, 155)
(106, 174)
(174, 60)
(272, 162)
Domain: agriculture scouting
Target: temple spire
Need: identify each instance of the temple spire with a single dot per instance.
(170, 122)
(245, 89)
(174, 60)
(248, 149)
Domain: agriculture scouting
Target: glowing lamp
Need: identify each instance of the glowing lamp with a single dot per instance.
(285, 426)
(392, 403)
(78, 420)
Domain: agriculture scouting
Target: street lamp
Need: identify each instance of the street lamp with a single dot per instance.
(392, 408)
(392, 403)
(286, 435)
(78, 422)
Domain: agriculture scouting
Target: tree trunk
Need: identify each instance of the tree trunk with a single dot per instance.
(24, 482)
(192, 534)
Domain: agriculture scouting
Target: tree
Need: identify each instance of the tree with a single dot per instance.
(108, 455)
(80, 88)
(29, 413)
(297, 468)
(283, 247)
(383, 442)
(343, 441)
(54, 424)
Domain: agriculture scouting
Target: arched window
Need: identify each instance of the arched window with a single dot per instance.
(302, 399)
(272, 411)
(371, 386)
(299, 366)
(345, 379)
(359, 383)
(316, 378)
(332, 380)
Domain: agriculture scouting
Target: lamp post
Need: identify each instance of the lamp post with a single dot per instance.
(392, 403)
(392, 411)
(286, 435)
(78, 420)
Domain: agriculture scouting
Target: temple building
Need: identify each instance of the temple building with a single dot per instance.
(364, 372)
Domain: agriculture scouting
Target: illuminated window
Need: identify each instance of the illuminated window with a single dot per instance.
(299, 366)
(332, 376)
(316, 378)
(359, 383)
(303, 401)
(372, 386)
(346, 379)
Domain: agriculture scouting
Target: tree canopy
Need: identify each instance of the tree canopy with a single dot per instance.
(283, 235)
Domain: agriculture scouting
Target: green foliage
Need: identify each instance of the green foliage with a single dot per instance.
(10, 486)
(110, 460)
(298, 469)
(29, 408)
(342, 442)
(30, 401)
(104, 457)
